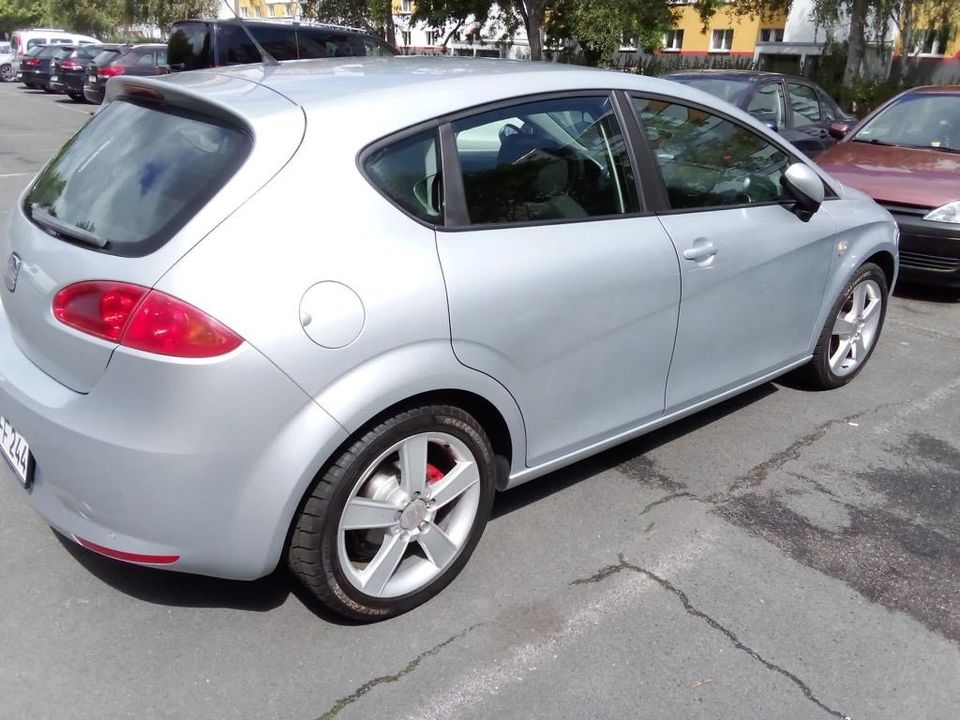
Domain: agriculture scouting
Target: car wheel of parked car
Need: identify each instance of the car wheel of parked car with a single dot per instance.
(396, 516)
(6, 72)
(77, 98)
(851, 331)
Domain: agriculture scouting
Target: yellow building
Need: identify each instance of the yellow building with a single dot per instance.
(266, 9)
(726, 33)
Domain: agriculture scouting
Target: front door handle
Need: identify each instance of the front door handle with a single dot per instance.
(702, 250)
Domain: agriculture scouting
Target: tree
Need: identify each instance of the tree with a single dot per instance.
(20, 13)
(600, 26)
(450, 14)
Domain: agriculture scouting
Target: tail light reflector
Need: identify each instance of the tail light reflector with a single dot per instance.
(110, 71)
(143, 319)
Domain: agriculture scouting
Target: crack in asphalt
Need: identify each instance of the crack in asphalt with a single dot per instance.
(665, 499)
(688, 606)
(756, 475)
(409, 668)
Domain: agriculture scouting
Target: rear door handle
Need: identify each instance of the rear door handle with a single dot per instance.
(702, 249)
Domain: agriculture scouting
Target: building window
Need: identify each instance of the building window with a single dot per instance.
(270, 11)
(929, 42)
(673, 41)
(771, 35)
(721, 40)
(256, 12)
(406, 6)
(244, 12)
(431, 38)
(405, 37)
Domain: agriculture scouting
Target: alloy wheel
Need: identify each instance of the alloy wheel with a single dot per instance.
(855, 328)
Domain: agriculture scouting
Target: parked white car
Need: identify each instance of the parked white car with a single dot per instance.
(23, 40)
(6, 62)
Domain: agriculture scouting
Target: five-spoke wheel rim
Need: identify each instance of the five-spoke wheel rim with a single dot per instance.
(855, 328)
(409, 515)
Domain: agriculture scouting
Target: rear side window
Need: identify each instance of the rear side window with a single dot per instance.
(236, 48)
(133, 176)
(408, 172)
(561, 159)
(189, 46)
(105, 57)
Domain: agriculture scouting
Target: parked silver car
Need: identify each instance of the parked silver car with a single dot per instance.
(255, 314)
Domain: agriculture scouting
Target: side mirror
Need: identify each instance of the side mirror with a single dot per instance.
(805, 187)
(839, 129)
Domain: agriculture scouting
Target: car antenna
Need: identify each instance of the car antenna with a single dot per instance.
(265, 57)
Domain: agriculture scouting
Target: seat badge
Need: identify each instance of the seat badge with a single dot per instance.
(13, 272)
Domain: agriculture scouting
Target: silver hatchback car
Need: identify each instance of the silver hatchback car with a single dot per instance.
(320, 313)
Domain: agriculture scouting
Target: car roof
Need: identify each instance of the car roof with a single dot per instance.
(934, 90)
(275, 22)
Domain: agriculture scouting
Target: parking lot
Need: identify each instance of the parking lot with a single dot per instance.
(787, 554)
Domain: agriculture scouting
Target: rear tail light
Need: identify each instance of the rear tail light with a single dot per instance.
(143, 319)
(31, 62)
(110, 71)
(70, 65)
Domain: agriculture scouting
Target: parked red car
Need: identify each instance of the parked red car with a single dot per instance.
(906, 156)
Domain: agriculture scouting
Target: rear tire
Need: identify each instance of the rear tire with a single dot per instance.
(396, 515)
(77, 98)
(850, 334)
(6, 72)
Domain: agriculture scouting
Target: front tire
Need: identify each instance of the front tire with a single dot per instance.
(395, 517)
(850, 335)
(6, 72)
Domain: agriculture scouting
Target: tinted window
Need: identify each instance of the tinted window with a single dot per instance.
(137, 57)
(707, 161)
(407, 171)
(36, 42)
(134, 175)
(189, 46)
(105, 57)
(767, 104)
(830, 110)
(806, 107)
(324, 42)
(550, 160)
(236, 47)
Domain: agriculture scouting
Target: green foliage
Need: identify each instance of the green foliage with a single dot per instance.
(21, 13)
(102, 18)
(601, 26)
(664, 63)
(356, 13)
(750, 8)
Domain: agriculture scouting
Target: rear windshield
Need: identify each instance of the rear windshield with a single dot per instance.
(134, 176)
(189, 46)
(729, 89)
(49, 52)
(104, 57)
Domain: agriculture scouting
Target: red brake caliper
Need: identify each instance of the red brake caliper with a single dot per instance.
(434, 474)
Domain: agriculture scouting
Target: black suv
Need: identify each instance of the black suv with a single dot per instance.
(196, 44)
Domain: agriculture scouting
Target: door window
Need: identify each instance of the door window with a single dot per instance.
(806, 107)
(407, 171)
(557, 159)
(767, 104)
(707, 161)
(189, 46)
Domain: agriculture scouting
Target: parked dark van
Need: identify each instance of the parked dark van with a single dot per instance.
(196, 44)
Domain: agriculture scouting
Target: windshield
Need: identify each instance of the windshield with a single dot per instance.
(921, 120)
(133, 176)
(730, 89)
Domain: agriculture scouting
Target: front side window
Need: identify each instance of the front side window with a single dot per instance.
(550, 160)
(806, 107)
(133, 176)
(189, 46)
(767, 104)
(709, 162)
(408, 172)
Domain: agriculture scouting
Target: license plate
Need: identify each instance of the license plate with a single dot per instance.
(16, 451)
(92, 79)
(54, 78)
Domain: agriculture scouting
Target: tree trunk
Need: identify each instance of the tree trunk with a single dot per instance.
(856, 43)
(906, 41)
(532, 12)
(391, 29)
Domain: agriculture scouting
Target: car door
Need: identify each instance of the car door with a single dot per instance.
(559, 285)
(753, 273)
(808, 127)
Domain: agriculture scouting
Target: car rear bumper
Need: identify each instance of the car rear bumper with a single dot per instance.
(929, 251)
(94, 95)
(195, 466)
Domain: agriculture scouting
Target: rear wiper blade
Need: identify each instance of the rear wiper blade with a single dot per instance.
(43, 217)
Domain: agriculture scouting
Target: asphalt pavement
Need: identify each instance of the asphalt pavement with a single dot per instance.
(788, 554)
